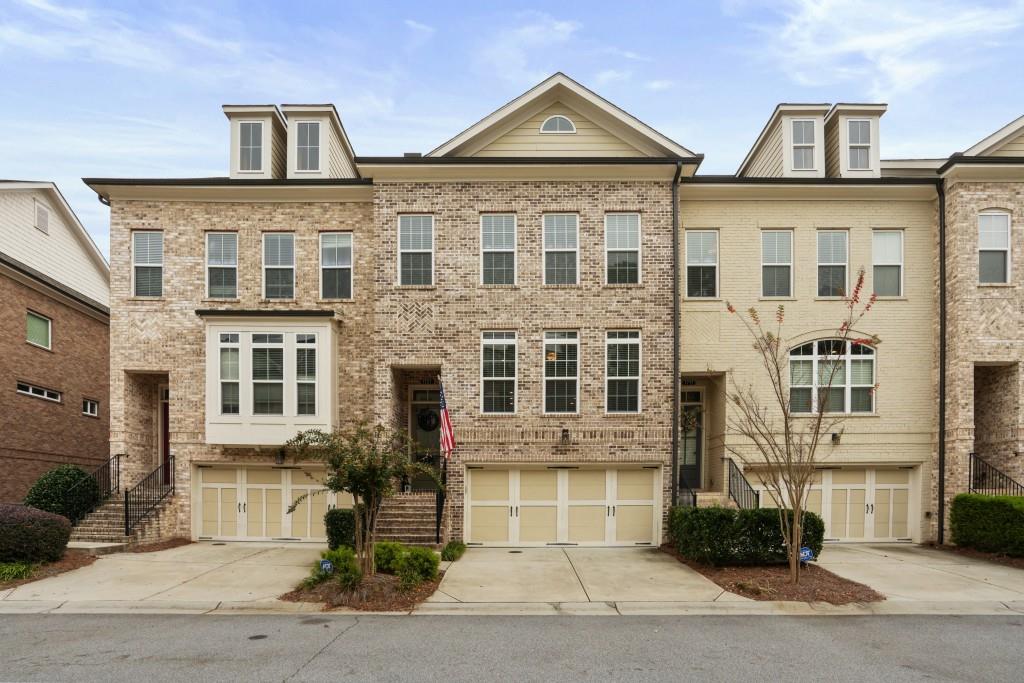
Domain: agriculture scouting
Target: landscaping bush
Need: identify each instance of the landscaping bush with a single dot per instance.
(346, 569)
(415, 566)
(453, 551)
(12, 571)
(53, 492)
(725, 536)
(386, 554)
(993, 524)
(341, 528)
(31, 535)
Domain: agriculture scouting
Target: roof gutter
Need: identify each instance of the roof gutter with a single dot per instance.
(941, 188)
(676, 387)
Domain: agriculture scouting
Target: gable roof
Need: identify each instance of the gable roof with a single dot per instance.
(816, 109)
(996, 140)
(560, 87)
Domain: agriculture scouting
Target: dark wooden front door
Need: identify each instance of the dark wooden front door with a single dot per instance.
(692, 440)
(425, 432)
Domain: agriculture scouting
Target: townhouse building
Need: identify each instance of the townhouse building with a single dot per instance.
(53, 345)
(563, 269)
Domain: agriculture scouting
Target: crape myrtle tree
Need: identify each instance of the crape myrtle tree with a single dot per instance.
(786, 445)
(368, 462)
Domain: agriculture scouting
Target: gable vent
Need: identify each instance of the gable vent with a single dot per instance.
(42, 218)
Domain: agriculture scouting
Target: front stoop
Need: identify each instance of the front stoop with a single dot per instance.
(408, 518)
(706, 499)
(105, 525)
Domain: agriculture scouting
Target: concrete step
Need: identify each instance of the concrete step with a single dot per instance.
(97, 547)
(409, 539)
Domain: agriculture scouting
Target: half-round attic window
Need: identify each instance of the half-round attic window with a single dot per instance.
(557, 124)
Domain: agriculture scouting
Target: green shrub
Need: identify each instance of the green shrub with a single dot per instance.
(346, 569)
(415, 566)
(386, 554)
(993, 524)
(453, 551)
(31, 535)
(725, 536)
(12, 571)
(53, 492)
(341, 528)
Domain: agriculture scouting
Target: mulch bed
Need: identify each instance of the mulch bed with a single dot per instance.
(159, 545)
(772, 583)
(72, 560)
(377, 593)
(1016, 562)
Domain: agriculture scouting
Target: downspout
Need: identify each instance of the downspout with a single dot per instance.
(676, 387)
(941, 187)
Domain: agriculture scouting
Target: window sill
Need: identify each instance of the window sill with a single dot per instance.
(336, 301)
(500, 416)
(891, 298)
(622, 285)
(414, 287)
(91, 417)
(40, 347)
(698, 299)
(558, 416)
(805, 416)
(830, 298)
(485, 285)
(620, 413)
(559, 286)
(218, 300)
(145, 298)
(996, 285)
(776, 298)
(277, 301)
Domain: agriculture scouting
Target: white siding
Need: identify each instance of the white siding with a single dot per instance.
(767, 162)
(1011, 148)
(588, 140)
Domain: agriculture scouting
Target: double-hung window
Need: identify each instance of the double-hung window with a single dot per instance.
(887, 254)
(148, 263)
(250, 146)
(622, 380)
(498, 248)
(222, 265)
(832, 375)
(561, 372)
(561, 248)
(278, 265)
(336, 265)
(308, 146)
(305, 374)
(859, 141)
(803, 145)
(993, 248)
(777, 263)
(832, 263)
(90, 408)
(37, 329)
(416, 250)
(622, 248)
(267, 374)
(498, 372)
(702, 264)
(229, 373)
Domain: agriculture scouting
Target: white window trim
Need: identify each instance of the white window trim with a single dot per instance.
(638, 250)
(352, 268)
(848, 387)
(36, 391)
(640, 372)
(265, 267)
(514, 251)
(846, 265)
(319, 147)
(283, 345)
(135, 264)
(431, 251)
(49, 329)
(792, 259)
(316, 378)
(90, 407)
(687, 264)
(1008, 249)
(237, 345)
(558, 132)
(850, 145)
(803, 145)
(545, 378)
(544, 251)
(514, 341)
(875, 262)
(260, 123)
(208, 266)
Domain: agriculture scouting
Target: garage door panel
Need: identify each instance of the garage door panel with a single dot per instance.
(883, 507)
(228, 512)
(317, 510)
(588, 485)
(812, 503)
(892, 477)
(633, 523)
(635, 484)
(537, 485)
(587, 523)
(855, 523)
(211, 503)
(219, 475)
(273, 513)
(254, 476)
(538, 524)
(254, 512)
(900, 513)
(489, 485)
(488, 524)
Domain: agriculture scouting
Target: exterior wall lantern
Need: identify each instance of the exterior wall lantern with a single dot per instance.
(566, 438)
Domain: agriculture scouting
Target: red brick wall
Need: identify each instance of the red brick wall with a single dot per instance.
(36, 435)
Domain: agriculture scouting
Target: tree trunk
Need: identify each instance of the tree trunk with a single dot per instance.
(795, 541)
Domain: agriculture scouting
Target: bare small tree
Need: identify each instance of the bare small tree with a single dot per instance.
(786, 445)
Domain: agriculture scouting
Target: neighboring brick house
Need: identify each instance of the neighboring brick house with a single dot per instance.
(53, 346)
(546, 263)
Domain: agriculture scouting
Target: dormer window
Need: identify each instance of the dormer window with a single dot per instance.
(557, 124)
(803, 145)
(860, 144)
(308, 146)
(250, 146)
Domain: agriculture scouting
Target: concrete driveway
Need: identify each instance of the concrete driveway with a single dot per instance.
(573, 575)
(917, 573)
(197, 573)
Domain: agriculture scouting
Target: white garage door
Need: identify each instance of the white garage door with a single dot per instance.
(251, 504)
(562, 506)
(859, 504)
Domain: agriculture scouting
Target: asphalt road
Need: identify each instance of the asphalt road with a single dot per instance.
(152, 648)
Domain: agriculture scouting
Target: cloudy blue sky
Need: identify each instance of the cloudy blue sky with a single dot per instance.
(125, 89)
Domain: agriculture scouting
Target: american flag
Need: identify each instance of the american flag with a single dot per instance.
(447, 433)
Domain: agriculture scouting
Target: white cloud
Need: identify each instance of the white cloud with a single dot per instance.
(418, 27)
(659, 85)
(510, 54)
(611, 76)
(626, 54)
(885, 47)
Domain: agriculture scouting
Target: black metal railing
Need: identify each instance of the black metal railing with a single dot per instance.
(439, 498)
(687, 496)
(140, 500)
(108, 480)
(984, 478)
(740, 489)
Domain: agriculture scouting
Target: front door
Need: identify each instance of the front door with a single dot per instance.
(691, 432)
(425, 432)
